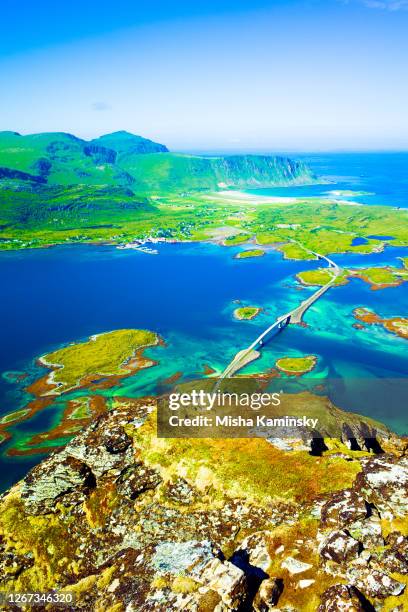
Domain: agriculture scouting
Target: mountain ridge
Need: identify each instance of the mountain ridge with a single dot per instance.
(122, 158)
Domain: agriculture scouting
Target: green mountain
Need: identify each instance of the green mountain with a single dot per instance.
(124, 143)
(64, 159)
(55, 187)
(123, 159)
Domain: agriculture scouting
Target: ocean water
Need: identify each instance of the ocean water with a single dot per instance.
(382, 175)
(187, 294)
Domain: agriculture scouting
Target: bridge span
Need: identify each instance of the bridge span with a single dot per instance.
(294, 316)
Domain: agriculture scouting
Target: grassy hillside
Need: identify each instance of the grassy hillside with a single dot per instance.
(63, 207)
(175, 172)
(55, 187)
(125, 159)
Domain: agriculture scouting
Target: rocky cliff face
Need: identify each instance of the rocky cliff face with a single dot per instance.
(129, 522)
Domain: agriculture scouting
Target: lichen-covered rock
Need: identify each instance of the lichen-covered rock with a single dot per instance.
(295, 566)
(12, 563)
(394, 561)
(398, 542)
(133, 523)
(227, 580)
(116, 440)
(339, 547)
(374, 582)
(256, 549)
(341, 598)
(395, 557)
(383, 482)
(103, 446)
(56, 477)
(342, 508)
(368, 531)
(268, 595)
(178, 558)
(137, 479)
(181, 492)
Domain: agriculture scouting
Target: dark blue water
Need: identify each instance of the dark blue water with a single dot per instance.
(357, 241)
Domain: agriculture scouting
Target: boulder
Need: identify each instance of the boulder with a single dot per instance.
(343, 508)
(268, 595)
(182, 558)
(341, 598)
(339, 547)
(294, 566)
(54, 478)
(256, 548)
(383, 482)
(398, 542)
(115, 439)
(227, 580)
(374, 582)
(103, 446)
(368, 531)
(137, 479)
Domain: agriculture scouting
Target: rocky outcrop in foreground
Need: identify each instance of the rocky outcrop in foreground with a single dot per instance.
(123, 521)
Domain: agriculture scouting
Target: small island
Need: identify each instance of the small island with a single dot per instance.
(395, 325)
(296, 366)
(320, 277)
(377, 278)
(381, 277)
(250, 253)
(246, 313)
(109, 355)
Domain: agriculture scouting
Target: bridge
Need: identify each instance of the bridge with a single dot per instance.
(294, 316)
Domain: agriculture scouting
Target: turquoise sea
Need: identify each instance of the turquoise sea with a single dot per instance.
(187, 294)
(382, 175)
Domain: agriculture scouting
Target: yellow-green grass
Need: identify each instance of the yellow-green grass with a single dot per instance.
(297, 365)
(14, 416)
(102, 355)
(320, 277)
(238, 239)
(246, 312)
(380, 276)
(250, 469)
(295, 251)
(250, 253)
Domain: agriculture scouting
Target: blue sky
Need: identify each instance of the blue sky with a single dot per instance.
(206, 75)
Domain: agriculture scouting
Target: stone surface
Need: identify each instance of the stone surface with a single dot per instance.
(338, 549)
(341, 598)
(268, 595)
(294, 566)
(55, 478)
(374, 582)
(256, 546)
(343, 508)
(105, 516)
(384, 483)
